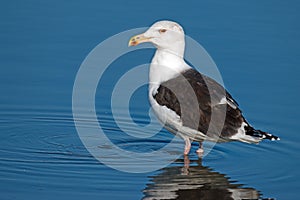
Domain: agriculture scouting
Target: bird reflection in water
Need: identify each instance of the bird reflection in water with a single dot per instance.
(187, 179)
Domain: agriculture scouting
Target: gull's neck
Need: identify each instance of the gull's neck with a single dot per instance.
(166, 64)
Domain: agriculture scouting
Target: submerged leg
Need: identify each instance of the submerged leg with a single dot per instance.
(185, 169)
(187, 147)
(200, 150)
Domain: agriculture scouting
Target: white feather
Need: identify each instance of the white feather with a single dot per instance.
(241, 135)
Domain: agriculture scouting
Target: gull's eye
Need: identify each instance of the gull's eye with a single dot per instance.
(162, 30)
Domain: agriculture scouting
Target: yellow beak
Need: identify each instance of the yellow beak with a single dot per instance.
(137, 39)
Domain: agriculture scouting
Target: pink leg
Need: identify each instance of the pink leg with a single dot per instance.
(186, 162)
(185, 169)
(187, 147)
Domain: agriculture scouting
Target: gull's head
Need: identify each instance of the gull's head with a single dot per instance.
(163, 34)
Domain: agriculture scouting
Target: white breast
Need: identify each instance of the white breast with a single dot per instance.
(165, 65)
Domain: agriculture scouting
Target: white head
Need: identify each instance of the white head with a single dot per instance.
(165, 35)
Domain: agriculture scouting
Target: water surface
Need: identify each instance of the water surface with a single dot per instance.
(255, 45)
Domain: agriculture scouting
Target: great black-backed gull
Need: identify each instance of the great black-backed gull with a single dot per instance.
(184, 99)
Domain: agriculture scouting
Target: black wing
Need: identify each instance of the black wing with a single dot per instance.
(196, 107)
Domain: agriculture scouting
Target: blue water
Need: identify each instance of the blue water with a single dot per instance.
(255, 44)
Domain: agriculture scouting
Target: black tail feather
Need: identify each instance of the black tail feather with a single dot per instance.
(260, 134)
